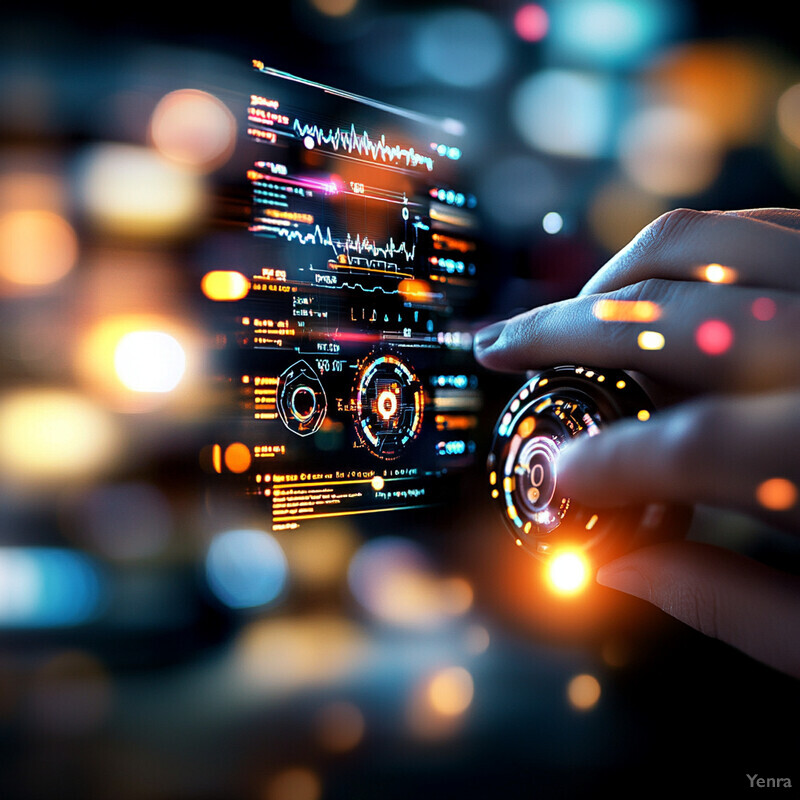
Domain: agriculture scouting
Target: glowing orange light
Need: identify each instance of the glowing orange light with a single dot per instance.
(224, 285)
(531, 22)
(413, 289)
(237, 457)
(568, 573)
(583, 692)
(626, 310)
(643, 415)
(714, 337)
(716, 273)
(763, 308)
(777, 494)
(37, 247)
(450, 691)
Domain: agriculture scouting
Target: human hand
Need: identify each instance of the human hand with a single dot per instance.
(727, 377)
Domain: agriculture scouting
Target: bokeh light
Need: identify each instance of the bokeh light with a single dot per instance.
(51, 435)
(670, 151)
(553, 223)
(193, 128)
(531, 22)
(717, 273)
(334, 8)
(583, 692)
(565, 113)
(714, 337)
(149, 361)
(777, 494)
(650, 340)
(225, 285)
(764, 308)
(246, 568)
(37, 247)
(461, 47)
(611, 33)
(393, 579)
(294, 783)
(610, 310)
(42, 587)
(697, 77)
(132, 191)
(135, 362)
(450, 691)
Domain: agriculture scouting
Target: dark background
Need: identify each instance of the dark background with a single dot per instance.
(168, 693)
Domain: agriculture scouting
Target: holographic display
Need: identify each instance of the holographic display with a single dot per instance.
(345, 328)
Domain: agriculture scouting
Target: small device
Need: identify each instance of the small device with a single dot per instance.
(552, 408)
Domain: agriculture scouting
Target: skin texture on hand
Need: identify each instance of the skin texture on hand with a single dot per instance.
(705, 309)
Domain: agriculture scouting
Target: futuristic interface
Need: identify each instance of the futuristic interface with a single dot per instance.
(346, 336)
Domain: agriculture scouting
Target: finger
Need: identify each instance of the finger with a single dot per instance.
(697, 336)
(738, 453)
(680, 245)
(721, 594)
(786, 217)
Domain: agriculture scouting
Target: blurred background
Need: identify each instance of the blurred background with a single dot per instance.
(151, 648)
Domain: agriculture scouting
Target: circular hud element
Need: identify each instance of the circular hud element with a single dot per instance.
(388, 404)
(301, 399)
(552, 408)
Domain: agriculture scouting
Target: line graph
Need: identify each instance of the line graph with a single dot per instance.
(350, 140)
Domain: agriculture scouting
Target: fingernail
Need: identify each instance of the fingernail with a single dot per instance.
(625, 579)
(487, 336)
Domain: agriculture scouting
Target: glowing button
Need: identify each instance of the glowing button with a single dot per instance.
(568, 572)
(387, 404)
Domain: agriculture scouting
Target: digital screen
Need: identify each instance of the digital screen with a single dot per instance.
(345, 335)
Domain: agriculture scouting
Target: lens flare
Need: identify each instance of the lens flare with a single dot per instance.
(568, 573)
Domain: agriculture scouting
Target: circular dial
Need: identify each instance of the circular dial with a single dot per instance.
(549, 410)
(388, 405)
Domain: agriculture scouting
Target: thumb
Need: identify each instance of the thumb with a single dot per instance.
(719, 593)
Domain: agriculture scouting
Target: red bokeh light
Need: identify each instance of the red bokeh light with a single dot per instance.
(714, 337)
(531, 22)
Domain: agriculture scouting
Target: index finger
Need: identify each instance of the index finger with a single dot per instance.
(757, 249)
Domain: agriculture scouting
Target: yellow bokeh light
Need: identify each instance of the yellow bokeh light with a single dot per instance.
(450, 691)
(568, 573)
(643, 415)
(37, 247)
(583, 692)
(650, 340)
(777, 494)
(626, 310)
(193, 128)
(134, 192)
(50, 435)
(224, 285)
(717, 273)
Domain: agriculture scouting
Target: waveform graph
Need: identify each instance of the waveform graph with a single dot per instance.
(388, 405)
